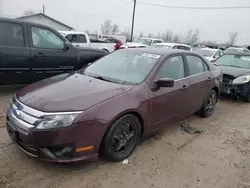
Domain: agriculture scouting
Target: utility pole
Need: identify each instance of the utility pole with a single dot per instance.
(133, 21)
(43, 9)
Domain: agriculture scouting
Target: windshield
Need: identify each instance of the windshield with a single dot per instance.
(207, 52)
(143, 41)
(123, 67)
(233, 50)
(240, 61)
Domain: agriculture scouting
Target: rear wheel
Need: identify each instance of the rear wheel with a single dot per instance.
(121, 138)
(209, 105)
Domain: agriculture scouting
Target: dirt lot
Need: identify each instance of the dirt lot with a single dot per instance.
(218, 157)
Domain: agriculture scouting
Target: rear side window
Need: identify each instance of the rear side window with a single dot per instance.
(172, 68)
(82, 39)
(181, 47)
(11, 34)
(196, 65)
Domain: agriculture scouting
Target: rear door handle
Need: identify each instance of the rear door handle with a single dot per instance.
(184, 87)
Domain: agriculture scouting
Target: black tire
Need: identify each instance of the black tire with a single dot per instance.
(208, 106)
(112, 139)
(246, 98)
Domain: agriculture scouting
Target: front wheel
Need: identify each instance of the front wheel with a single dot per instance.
(209, 105)
(247, 98)
(121, 138)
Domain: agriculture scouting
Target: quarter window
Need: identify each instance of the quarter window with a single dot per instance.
(196, 65)
(172, 68)
(43, 38)
(11, 34)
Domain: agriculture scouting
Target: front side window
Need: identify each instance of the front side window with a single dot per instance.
(196, 65)
(123, 67)
(143, 41)
(72, 38)
(11, 34)
(43, 38)
(172, 68)
(207, 52)
(217, 54)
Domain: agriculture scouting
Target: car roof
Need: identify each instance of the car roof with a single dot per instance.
(149, 38)
(237, 53)
(171, 44)
(236, 48)
(211, 49)
(72, 32)
(159, 51)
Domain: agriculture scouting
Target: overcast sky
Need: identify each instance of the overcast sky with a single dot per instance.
(214, 25)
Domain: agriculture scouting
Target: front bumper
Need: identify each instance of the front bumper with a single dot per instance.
(40, 144)
(235, 90)
(57, 145)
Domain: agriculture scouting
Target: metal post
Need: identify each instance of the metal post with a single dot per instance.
(133, 21)
(43, 9)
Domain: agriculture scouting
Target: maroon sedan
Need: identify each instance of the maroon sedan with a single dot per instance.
(106, 108)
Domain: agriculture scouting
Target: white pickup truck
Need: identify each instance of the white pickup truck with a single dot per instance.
(81, 39)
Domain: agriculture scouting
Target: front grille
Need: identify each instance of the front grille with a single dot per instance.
(227, 80)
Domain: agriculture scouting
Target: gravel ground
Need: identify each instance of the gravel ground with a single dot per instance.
(218, 157)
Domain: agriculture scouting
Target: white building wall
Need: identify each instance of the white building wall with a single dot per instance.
(45, 21)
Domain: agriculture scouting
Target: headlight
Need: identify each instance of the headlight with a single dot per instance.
(241, 80)
(57, 121)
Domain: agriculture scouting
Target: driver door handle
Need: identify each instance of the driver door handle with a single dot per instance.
(184, 87)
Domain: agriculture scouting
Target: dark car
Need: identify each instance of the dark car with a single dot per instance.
(30, 52)
(110, 105)
(236, 75)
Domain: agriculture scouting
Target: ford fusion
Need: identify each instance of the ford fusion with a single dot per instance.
(107, 107)
(236, 75)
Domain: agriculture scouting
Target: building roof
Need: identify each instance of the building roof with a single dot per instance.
(41, 14)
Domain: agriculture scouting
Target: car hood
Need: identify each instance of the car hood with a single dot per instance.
(69, 92)
(235, 71)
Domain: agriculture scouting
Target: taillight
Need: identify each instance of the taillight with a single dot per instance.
(117, 46)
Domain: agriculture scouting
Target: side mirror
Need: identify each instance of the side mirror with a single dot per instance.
(165, 82)
(66, 46)
(162, 82)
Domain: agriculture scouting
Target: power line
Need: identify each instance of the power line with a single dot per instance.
(191, 7)
(112, 10)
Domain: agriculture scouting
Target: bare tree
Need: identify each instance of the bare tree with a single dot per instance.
(194, 37)
(176, 38)
(28, 12)
(232, 38)
(141, 34)
(126, 33)
(150, 35)
(106, 27)
(87, 31)
(167, 36)
(115, 29)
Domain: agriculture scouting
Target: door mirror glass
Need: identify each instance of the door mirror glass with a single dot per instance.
(165, 82)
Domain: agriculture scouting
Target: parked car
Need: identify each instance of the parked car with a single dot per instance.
(107, 107)
(173, 46)
(236, 75)
(237, 50)
(142, 42)
(81, 39)
(211, 54)
(30, 52)
(117, 42)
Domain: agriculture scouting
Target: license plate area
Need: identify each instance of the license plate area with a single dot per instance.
(13, 133)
